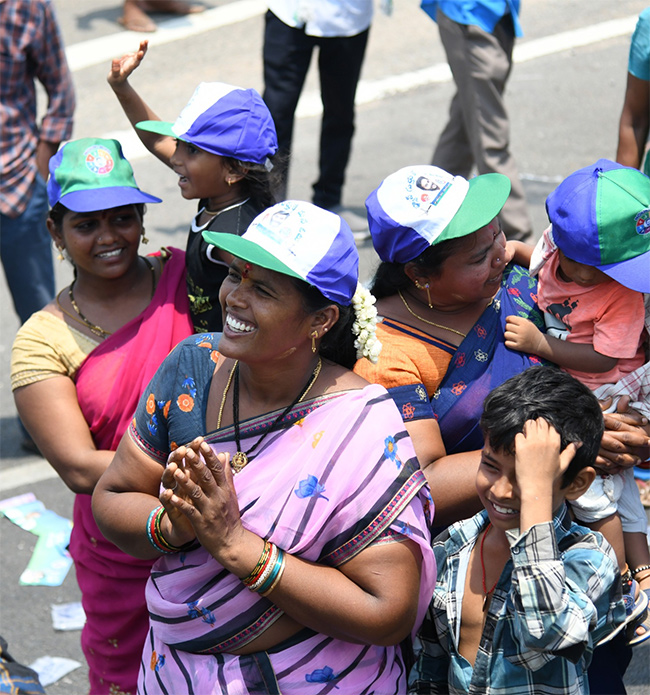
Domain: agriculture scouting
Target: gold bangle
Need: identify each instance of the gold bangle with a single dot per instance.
(277, 579)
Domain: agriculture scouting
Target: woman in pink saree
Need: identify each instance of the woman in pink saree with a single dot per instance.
(292, 539)
(79, 367)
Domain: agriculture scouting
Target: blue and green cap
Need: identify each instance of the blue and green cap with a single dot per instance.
(600, 216)
(92, 174)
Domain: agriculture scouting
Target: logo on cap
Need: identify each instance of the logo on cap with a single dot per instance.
(426, 190)
(99, 160)
(642, 222)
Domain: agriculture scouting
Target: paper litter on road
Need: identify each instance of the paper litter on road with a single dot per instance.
(50, 669)
(50, 560)
(68, 616)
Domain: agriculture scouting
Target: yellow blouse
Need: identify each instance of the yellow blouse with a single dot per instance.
(46, 346)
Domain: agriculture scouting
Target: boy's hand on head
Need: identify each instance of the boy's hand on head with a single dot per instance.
(121, 68)
(538, 464)
(522, 335)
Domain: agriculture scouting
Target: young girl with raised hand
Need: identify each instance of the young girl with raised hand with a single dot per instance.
(221, 147)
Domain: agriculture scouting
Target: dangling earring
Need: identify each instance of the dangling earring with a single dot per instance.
(313, 335)
(425, 287)
(229, 182)
(144, 237)
(59, 249)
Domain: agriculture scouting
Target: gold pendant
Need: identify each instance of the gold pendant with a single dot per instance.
(239, 460)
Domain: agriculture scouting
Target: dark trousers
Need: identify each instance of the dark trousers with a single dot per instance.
(287, 55)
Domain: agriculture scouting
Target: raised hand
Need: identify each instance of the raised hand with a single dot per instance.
(122, 68)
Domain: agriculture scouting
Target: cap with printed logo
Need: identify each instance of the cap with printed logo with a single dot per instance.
(420, 206)
(600, 216)
(301, 240)
(92, 174)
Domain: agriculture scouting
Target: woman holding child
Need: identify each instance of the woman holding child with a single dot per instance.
(79, 367)
(291, 536)
(444, 290)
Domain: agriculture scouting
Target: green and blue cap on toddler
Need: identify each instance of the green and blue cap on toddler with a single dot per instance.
(420, 206)
(301, 240)
(92, 174)
(224, 120)
(600, 216)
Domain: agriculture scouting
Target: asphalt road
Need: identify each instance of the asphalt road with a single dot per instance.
(564, 96)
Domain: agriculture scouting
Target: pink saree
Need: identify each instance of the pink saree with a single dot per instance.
(109, 384)
(340, 475)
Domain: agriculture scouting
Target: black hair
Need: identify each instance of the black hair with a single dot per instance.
(59, 210)
(546, 392)
(391, 277)
(257, 182)
(337, 344)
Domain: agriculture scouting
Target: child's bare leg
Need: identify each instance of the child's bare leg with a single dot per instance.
(638, 557)
(612, 529)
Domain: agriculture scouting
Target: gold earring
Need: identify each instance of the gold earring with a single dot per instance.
(229, 182)
(424, 287)
(313, 335)
(60, 257)
(144, 237)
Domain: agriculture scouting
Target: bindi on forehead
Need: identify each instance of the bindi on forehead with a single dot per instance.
(246, 270)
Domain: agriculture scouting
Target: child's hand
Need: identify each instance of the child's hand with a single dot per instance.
(121, 68)
(522, 335)
(539, 461)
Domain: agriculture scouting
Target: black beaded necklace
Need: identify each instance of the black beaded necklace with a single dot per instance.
(241, 458)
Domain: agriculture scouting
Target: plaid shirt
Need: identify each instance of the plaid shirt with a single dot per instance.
(557, 596)
(32, 49)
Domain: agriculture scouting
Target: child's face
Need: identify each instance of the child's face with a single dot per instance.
(581, 274)
(498, 490)
(202, 174)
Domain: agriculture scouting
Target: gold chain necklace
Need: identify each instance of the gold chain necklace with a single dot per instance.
(241, 458)
(431, 323)
(94, 328)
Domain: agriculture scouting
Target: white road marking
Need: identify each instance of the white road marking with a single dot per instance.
(95, 51)
(368, 91)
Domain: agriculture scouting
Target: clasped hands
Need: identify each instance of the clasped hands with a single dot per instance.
(200, 499)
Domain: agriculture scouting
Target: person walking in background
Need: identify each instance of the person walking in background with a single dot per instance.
(478, 37)
(32, 50)
(634, 125)
(340, 31)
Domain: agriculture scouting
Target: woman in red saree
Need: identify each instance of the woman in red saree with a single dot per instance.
(79, 367)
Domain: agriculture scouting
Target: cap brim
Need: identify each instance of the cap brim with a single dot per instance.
(95, 199)
(249, 251)
(485, 197)
(633, 273)
(159, 127)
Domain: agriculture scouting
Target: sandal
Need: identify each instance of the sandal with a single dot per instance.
(636, 612)
(642, 622)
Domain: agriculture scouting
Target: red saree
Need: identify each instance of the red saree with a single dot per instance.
(109, 384)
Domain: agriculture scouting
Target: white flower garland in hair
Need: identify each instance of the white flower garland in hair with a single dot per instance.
(365, 323)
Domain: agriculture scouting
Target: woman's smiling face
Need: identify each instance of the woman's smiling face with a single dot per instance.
(474, 271)
(264, 316)
(103, 243)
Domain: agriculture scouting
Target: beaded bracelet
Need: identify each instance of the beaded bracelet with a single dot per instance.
(155, 536)
(638, 570)
(268, 570)
(278, 576)
(260, 566)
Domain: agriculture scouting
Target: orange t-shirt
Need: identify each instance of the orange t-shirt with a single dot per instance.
(608, 316)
